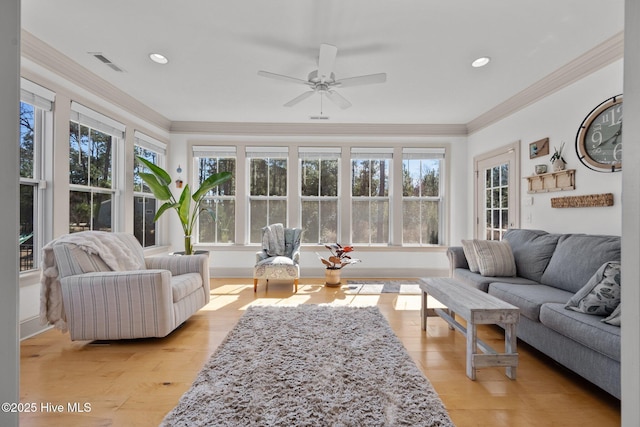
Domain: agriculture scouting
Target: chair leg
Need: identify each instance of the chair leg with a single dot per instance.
(255, 285)
(295, 283)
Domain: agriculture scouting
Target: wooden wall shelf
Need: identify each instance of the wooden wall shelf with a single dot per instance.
(552, 181)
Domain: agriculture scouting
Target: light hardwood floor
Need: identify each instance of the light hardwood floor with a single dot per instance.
(135, 383)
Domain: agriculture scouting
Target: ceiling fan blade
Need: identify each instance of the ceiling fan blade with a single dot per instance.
(299, 98)
(281, 77)
(362, 80)
(326, 60)
(338, 99)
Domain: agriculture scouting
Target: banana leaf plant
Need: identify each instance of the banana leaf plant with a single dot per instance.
(188, 206)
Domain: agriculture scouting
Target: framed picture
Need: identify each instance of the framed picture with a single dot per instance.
(539, 148)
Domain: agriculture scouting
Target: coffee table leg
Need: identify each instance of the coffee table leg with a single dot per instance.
(510, 346)
(423, 311)
(472, 348)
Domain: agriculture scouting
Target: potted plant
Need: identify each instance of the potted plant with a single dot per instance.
(339, 258)
(188, 206)
(557, 161)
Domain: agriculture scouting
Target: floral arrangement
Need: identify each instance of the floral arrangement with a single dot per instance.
(339, 256)
(557, 153)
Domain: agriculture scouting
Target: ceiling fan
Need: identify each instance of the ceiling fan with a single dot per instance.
(323, 81)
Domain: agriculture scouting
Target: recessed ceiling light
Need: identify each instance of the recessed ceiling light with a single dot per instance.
(158, 58)
(481, 62)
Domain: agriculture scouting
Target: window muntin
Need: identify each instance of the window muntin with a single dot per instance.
(92, 144)
(219, 228)
(370, 183)
(319, 189)
(268, 192)
(422, 197)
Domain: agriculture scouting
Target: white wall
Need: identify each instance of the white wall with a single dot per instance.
(631, 220)
(9, 296)
(558, 117)
(238, 261)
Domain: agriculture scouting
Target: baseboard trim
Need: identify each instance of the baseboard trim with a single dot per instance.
(31, 327)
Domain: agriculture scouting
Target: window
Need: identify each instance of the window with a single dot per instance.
(221, 201)
(35, 110)
(370, 183)
(144, 203)
(319, 184)
(92, 144)
(422, 196)
(267, 188)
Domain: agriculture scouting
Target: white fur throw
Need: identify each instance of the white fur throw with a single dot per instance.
(113, 250)
(273, 240)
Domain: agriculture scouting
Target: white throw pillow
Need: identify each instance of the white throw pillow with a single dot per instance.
(614, 318)
(495, 258)
(601, 295)
(470, 255)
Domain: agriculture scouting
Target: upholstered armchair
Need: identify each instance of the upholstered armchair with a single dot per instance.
(111, 291)
(280, 255)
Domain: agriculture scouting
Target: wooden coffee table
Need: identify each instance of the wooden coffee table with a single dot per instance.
(477, 308)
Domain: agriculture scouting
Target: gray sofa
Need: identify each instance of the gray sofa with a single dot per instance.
(551, 268)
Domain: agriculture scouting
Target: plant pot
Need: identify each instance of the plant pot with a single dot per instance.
(558, 165)
(332, 277)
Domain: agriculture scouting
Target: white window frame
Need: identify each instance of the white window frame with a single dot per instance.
(42, 100)
(217, 152)
(410, 153)
(373, 153)
(265, 153)
(160, 149)
(320, 153)
(87, 117)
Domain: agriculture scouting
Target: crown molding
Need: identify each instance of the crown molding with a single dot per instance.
(596, 58)
(318, 129)
(49, 58)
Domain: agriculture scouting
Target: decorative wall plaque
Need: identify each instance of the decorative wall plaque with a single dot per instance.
(587, 201)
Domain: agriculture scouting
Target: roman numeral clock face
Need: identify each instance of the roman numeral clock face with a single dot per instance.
(599, 138)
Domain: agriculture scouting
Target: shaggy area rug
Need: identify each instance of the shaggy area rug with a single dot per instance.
(310, 365)
(372, 287)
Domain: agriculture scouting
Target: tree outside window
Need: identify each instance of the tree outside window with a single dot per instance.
(28, 186)
(144, 203)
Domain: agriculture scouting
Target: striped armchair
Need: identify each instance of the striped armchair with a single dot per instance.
(103, 304)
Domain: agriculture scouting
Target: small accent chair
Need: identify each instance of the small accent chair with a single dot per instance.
(103, 304)
(280, 255)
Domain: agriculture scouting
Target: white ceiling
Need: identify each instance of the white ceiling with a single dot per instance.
(216, 48)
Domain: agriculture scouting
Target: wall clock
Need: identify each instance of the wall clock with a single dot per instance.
(599, 138)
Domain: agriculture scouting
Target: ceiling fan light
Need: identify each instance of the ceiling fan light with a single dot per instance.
(481, 62)
(158, 58)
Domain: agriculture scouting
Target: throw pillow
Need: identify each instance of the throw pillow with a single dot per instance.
(614, 318)
(495, 258)
(470, 255)
(601, 294)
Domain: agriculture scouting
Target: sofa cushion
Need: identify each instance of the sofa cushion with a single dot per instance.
(183, 285)
(528, 298)
(582, 328)
(532, 250)
(577, 257)
(481, 282)
(494, 258)
(601, 295)
(470, 255)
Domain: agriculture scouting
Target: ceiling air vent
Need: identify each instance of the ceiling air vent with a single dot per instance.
(100, 57)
